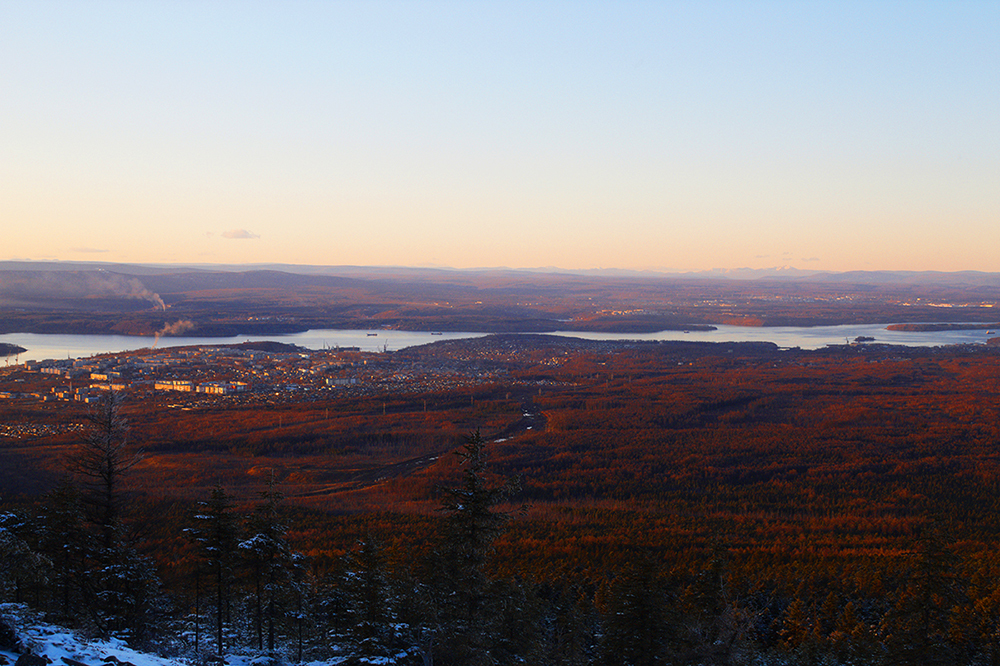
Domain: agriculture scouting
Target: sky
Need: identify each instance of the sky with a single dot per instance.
(670, 135)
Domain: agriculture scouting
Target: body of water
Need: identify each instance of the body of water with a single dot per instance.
(45, 346)
(806, 337)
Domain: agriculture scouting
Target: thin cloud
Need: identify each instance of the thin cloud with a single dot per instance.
(810, 259)
(88, 250)
(239, 233)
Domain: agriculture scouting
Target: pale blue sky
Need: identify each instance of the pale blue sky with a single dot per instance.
(650, 135)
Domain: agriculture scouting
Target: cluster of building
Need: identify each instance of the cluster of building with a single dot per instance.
(34, 430)
(220, 371)
(215, 388)
(254, 375)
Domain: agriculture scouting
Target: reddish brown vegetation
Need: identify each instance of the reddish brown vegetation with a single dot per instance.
(817, 465)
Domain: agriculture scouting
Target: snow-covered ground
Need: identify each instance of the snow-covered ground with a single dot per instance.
(59, 644)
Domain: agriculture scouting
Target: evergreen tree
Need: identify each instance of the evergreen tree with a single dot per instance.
(270, 558)
(302, 588)
(918, 627)
(216, 534)
(571, 627)
(636, 629)
(716, 628)
(129, 594)
(66, 543)
(119, 585)
(418, 611)
(369, 599)
(102, 460)
(516, 634)
(20, 566)
(468, 606)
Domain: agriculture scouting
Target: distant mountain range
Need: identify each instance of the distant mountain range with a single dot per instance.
(909, 278)
(265, 299)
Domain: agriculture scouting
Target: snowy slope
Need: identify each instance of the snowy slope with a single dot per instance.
(57, 643)
(63, 647)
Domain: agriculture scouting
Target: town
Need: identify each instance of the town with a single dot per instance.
(266, 372)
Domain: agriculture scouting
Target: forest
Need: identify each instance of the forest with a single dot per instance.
(94, 298)
(626, 503)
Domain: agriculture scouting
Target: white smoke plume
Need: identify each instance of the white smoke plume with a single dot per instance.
(130, 288)
(179, 327)
(148, 295)
(35, 286)
(140, 291)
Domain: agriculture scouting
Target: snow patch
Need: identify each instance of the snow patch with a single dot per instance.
(55, 643)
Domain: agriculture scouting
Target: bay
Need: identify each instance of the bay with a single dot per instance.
(53, 346)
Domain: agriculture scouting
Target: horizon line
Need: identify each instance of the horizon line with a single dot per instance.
(787, 270)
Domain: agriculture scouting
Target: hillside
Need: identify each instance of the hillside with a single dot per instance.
(813, 487)
(138, 300)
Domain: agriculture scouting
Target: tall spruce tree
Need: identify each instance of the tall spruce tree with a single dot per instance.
(270, 559)
(64, 541)
(302, 588)
(101, 460)
(469, 607)
(120, 585)
(216, 534)
(369, 599)
(570, 626)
